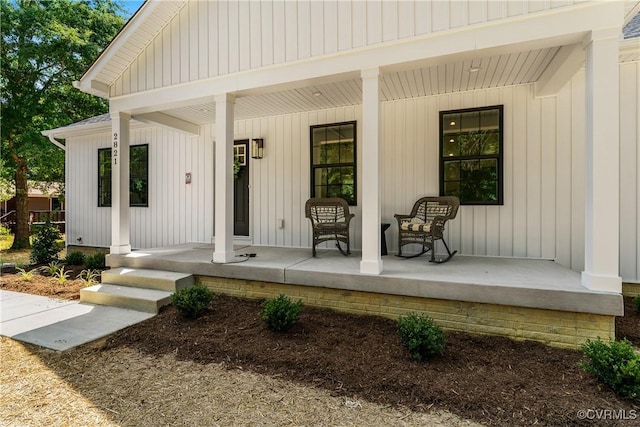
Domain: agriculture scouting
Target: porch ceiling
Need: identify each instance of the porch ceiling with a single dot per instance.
(454, 76)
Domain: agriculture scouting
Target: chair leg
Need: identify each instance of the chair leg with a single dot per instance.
(451, 254)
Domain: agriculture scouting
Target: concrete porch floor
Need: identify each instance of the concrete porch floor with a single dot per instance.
(528, 283)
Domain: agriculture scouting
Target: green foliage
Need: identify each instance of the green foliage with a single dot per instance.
(421, 335)
(4, 231)
(193, 301)
(26, 275)
(95, 261)
(279, 313)
(615, 364)
(53, 267)
(74, 258)
(46, 45)
(636, 303)
(61, 276)
(45, 248)
(89, 277)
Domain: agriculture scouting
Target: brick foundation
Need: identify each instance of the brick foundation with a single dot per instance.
(554, 328)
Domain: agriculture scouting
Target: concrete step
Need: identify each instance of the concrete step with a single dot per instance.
(147, 300)
(148, 279)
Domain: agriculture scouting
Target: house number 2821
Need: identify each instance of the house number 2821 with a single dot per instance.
(115, 148)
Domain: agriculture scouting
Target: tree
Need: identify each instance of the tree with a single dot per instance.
(46, 45)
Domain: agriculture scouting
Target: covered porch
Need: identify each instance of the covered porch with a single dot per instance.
(520, 298)
(538, 63)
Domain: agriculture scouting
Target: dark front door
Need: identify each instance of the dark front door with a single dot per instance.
(241, 188)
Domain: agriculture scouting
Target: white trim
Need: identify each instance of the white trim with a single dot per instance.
(562, 68)
(223, 170)
(371, 262)
(170, 122)
(552, 28)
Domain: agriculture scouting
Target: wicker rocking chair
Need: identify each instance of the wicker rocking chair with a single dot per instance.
(425, 225)
(330, 221)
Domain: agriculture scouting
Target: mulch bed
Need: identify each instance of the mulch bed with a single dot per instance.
(493, 380)
(629, 326)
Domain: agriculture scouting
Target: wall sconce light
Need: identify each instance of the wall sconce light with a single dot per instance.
(257, 148)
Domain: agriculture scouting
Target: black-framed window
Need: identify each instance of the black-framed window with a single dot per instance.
(138, 176)
(333, 161)
(471, 155)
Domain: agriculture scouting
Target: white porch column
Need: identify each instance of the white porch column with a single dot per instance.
(371, 262)
(602, 210)
(224, 179)
(120, 215)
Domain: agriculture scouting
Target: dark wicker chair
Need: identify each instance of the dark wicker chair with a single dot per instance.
(425, 225)
(330, 219)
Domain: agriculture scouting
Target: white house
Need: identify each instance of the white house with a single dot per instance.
(191, 83)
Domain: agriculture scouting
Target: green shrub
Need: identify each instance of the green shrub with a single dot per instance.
(615, 364)
(74, 258)
(95, 261)
(421, 335)
(279, 313)
(44, 248)
(636, 303)
(4, 231)
(192, 302)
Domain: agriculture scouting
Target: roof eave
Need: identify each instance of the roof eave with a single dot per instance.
(88, 82)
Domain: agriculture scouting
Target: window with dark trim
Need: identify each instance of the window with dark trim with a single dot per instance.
(138, 176)
(471, 155)
(333, 161)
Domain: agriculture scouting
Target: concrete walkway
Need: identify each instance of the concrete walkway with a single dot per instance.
(59, 324)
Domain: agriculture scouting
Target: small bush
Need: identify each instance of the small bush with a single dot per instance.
(193, 301)
(636, 303)
(74, 258)
(279, 313)
(95, 261)
(61, 276)
(615, 364)
(4, 231)
(44, 248)
(421, 335)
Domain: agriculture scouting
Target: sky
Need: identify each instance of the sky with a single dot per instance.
(131, 6)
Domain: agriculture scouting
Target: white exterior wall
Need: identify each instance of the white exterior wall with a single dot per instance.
(213, 38)
(177, 212)
(629, 172)
(544, 167)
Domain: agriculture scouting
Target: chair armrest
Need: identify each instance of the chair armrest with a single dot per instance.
(437, 224)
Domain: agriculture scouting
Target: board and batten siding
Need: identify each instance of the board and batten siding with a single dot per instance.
(629, 173)
(177, 212)
(543, 212)
(544, 167)
(213, 38)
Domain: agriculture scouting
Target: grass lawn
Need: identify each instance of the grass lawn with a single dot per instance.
(22, 256)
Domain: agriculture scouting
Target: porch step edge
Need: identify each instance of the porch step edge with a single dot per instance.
(139, 299)
(148, 279)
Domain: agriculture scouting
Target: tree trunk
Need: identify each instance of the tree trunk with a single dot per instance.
(21, 240)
